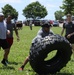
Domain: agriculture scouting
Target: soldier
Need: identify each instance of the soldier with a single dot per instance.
(44, 31)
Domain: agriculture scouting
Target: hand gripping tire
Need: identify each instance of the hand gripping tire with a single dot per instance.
(42, 47)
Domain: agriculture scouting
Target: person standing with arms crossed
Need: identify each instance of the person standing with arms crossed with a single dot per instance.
(10, 27)
(3, 41)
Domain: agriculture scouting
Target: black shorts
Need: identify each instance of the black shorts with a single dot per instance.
(4, 44)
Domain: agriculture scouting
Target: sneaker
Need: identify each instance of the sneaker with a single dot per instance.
(7, 61)
(4, 62)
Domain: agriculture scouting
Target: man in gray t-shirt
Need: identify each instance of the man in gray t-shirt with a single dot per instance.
(44, 31)
(10, 27)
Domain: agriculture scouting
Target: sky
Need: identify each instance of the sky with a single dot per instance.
(51, 6)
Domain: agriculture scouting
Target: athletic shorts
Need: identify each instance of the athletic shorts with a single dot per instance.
(10, 41)
(4, 44)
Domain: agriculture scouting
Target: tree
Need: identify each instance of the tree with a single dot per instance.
(9, 10)
(58, 15)
(68, 6)
(35, 11)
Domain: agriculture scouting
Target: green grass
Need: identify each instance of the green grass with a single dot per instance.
(20, 50)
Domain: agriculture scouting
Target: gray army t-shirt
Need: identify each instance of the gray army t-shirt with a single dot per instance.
(41, 34)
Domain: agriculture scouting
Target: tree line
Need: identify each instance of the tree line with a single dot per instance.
(37, 11)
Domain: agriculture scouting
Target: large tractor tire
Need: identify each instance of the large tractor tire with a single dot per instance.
(40, 49)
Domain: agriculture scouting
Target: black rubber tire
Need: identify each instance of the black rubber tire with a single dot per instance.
(42, 47)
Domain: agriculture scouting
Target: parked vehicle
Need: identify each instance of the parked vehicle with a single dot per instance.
(55, 23)
(19, 25)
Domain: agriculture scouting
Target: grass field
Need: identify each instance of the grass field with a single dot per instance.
(20, 50)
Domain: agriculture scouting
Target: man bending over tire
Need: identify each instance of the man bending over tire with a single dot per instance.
(44, 31)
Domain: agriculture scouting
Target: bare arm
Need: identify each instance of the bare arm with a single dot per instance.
(16, 32)
(62, 32)
(69, 35)
(8, 32)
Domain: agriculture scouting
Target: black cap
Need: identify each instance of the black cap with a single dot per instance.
(46, 25)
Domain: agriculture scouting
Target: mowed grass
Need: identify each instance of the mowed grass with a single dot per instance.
(20, 50)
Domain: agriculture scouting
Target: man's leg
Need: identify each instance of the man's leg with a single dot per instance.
(23, 65)
(6, 52)
(5, 57)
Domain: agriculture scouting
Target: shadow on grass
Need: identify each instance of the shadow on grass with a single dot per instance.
(15, 63)
(59, 74)
(7, 67)
(52, 74)
(72, 60)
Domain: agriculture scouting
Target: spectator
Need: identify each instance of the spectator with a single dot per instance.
(69, 27)
(3, 41)
(30, 24)
(44, 31)
(10, 27)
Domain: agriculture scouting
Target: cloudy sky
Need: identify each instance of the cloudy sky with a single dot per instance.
(19, 5)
